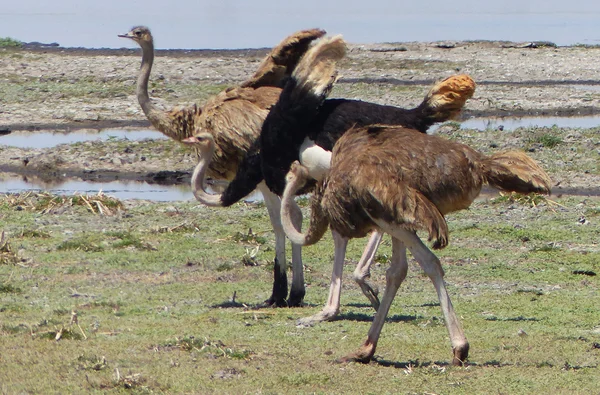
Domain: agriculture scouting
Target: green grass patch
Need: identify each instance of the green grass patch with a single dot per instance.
(7, 42)
(8, 288)
(183, 316)
(548, 140)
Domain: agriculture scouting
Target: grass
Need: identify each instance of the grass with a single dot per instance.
(170, 308)
(20, 89)
(7, 42)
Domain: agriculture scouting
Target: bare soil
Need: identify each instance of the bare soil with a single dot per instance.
(68, 89)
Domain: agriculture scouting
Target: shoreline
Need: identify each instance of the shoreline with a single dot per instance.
(64, 90)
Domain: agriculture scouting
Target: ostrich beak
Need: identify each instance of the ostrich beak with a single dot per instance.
(190, 140)
(124, 35)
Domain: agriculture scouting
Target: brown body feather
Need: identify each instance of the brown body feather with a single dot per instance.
(235, 116)
(410, 179)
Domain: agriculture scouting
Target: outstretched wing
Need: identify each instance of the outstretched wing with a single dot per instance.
(282, 59)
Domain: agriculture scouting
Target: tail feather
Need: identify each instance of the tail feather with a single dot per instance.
(316, 73)
(514, 171)
(282, 59)
(446, 98)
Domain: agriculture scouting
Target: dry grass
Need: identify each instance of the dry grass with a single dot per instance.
(47, 203)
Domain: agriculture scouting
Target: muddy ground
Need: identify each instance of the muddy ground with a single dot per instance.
(63, 90)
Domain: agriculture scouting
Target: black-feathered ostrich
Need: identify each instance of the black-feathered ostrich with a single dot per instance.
(395, 180)
(234, 118)
(266, 162)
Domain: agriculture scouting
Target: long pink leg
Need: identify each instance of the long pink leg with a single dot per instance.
(332, 306)
(433, 268)
(298, 290)
(363, 269)
(395, 274)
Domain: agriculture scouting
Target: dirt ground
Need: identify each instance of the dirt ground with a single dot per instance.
(62, 90)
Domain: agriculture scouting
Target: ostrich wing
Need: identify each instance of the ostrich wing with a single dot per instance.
(234, 117)
(406, 206)
(282, 60)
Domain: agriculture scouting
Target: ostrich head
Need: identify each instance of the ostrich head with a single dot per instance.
(297, 174)
(139, 34)
(203, 142)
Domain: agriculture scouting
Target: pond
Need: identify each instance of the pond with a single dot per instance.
(144, 190)
(238, 24)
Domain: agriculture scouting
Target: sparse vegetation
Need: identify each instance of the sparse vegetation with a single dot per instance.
(549, 140)
(7, 42)
(151, 297)
(521, 276)
(46, 203)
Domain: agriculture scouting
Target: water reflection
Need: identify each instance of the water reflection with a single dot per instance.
(258, 23)
(118, 189)
(52, 139)
(23, 139)
(510, 123)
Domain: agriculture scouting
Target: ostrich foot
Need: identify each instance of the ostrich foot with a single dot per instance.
(274, 301)
(324, 315)
(460, 355)
(280, 287)
(363, 355)
(296, 297)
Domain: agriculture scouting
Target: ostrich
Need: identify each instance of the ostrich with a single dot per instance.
(395, 180)
(335, 116)
(234, 117)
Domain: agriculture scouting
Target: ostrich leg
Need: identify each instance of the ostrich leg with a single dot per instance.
(362, 271)
(332, 307)
(280, 286)
(395, 275)
(432, 267)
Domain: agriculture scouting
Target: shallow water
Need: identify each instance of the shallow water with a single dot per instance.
(118, 189)
(23, 139)
(143, 190)
(511, 123)
(262, 23)
(50, 139)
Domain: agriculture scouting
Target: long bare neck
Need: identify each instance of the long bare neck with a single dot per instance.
(288, 208)
(155, 115)
(200, 193)
(291, 216)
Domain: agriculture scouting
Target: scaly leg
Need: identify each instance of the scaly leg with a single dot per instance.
(433, 268)
(298, 291)
(331, 309)
(280, 286)
(394, 276)
(362, 271)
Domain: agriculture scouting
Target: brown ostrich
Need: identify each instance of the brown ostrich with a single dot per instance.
(400, 181)
(234, 118)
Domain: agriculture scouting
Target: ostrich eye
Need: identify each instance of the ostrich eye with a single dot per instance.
(138, 33)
